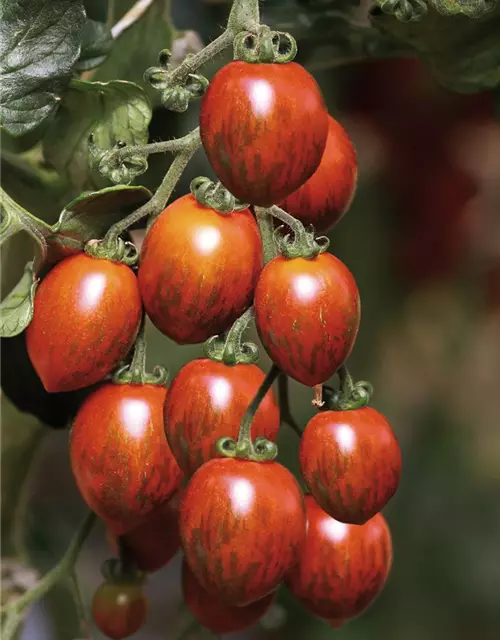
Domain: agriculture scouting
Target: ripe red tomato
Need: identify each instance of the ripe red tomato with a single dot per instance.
(242, 526)
(119, 454)
(155, 541)
(342, 567)
(263, 128)
(215, 614)
(206, 401)
(86, 320)
(326, 196)
(119, 609)
(198, 269)
(351, 463)
(307, 314)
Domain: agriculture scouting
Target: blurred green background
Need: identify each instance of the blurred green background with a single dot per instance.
(423, 241)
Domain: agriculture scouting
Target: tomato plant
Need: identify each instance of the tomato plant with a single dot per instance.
(119, 609)
(242, 524)
(342, 567)
(82, 301)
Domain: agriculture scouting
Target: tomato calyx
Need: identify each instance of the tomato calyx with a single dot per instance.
(175, 97)
(122, 571)
(265, 46)
(135, 372)
(230, 348)
(110, 164)
(303, 243)
(351, 395)
(260, 450)
(114, 249)
(214, 196)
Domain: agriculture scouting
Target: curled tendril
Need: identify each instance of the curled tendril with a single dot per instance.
(116, 250)
(265, 46)
(215, 196)
(175, 96)
(114, 570)
(111, 164)
(404, 10)
(129, 375)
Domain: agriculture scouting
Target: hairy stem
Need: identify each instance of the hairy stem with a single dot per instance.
(266, 228)
(244, 16)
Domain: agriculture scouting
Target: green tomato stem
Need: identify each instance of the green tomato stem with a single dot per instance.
(244, 16)
(266, 228)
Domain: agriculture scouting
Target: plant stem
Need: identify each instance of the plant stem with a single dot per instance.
(80, 607)
(134, 14)
(296, 226)
(346, 381)
(284, 404)
(245, 432)
(14, 612)
(232, 347)
(266, 228)
(15, 218)
(244, 16)
(137, 367)
(173, 146)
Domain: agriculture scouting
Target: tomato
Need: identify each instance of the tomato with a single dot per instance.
(198, 269)
(263, 128)
(326, 196)
(155, 541)
(119, 609)
(351, 463)
(307, 313)
(86, 320)
(213, 613)
(242, 525)
(206, 401)
(119, 454)
(342, 567)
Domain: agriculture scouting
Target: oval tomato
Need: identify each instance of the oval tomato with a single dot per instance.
(119, 609)
(87, 316)
(155, 541)
(351, 463)
(206, 401)
(326, 196)
(342, 567)
(213, 613)
(119, 454)
(317, 333)
(242, 525)
(263, 128)
(198, 269)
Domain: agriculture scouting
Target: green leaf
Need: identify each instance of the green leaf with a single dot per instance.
(463, 53)
(16, 310)
(39, 45)
(90, 216)
(146, 38)
(96, 9)
(97, 42)
(111, 112)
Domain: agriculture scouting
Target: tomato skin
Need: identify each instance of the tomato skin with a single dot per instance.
(307, 314)
(326, 196)
(263, 128)
(242, 525)
(119, 455)
(206, 401)
(119, 610)
(193, 282)
(351, 463)
(87, 316)
(155, 541)
(342, 567)
(213, 613)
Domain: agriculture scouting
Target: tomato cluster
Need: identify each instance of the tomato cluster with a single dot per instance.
(241, 519)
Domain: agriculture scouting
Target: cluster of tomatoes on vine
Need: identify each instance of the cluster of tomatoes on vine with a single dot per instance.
(192, 465)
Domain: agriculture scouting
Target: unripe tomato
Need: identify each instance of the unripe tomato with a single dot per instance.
(342, 567)
(119, 609)
(198, 269)
(155, 541)
(242, 525)
(119, 454)
(206, 401)
(263, 128)
(307, 313)
(216, 615)
(326, 196)
(86, 320)
(351, 463)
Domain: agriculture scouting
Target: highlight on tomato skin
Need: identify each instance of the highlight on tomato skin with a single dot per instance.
(215, 614)
(342, 568)
(206, 401)
(119, 609)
